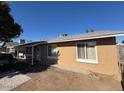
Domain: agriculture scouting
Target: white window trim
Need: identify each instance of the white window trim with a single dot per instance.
(87, 60)
(50, 57)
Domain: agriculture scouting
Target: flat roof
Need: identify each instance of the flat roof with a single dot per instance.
(83, 36)
(31, 43)
(87, 36)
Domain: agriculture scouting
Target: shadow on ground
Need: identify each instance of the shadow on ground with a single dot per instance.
(122, 82)
(21, 68)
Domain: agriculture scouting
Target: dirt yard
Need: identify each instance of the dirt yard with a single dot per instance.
(57, 79)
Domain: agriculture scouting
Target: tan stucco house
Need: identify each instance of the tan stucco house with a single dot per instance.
(94, 51)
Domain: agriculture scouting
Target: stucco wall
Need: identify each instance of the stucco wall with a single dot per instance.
(106, 51)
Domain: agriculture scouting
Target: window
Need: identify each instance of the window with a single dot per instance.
(86, 52)
(52, 51)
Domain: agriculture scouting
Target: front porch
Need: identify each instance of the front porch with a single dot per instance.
(29, 52)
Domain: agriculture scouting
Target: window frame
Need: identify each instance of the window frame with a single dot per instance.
(86, 60)
(51, 57)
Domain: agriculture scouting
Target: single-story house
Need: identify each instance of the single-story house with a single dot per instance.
(9, 47)
(93, 51)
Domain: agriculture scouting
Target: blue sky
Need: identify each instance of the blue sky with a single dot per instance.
(45, 20)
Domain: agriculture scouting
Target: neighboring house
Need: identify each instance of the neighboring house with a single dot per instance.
(94, 51)
(9, 47)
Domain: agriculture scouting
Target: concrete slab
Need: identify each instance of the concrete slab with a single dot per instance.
(8, 83)
(77, 70)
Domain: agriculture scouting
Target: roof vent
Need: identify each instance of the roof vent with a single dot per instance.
(89, 30)
(62, 35)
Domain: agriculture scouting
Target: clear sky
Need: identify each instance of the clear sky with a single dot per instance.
(45, 20)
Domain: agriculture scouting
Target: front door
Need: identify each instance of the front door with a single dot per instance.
(37, 53)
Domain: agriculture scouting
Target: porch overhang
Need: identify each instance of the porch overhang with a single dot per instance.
(32, 45)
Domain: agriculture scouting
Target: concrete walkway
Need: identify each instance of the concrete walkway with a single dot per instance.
(8, 83)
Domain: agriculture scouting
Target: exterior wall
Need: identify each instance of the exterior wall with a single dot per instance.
(10, 49)
(106, 51)
(107, 59)
(44, 58)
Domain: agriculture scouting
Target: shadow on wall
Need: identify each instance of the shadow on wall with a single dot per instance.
(99, 42)
(51, 61)
(122, 81)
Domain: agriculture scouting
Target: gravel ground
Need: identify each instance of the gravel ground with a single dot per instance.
(8, 83)
(13, 75)
(57, 79)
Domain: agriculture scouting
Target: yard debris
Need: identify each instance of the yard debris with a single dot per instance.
(94, 75)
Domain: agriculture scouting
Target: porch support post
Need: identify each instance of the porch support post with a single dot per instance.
(32, 55)
(17, 52)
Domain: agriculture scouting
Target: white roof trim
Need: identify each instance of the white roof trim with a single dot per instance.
(95, 37)
(36, 44)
